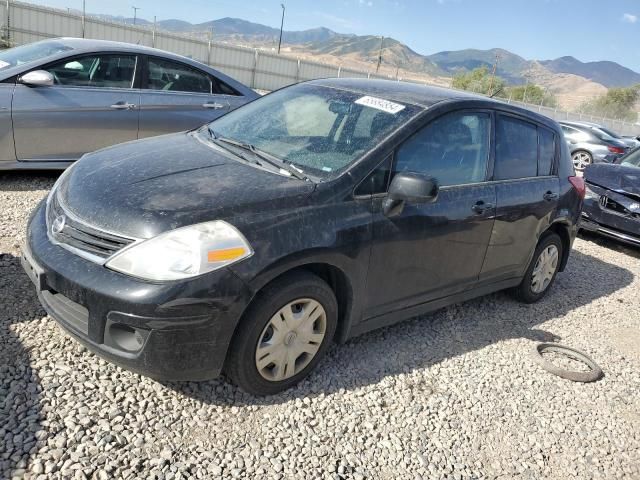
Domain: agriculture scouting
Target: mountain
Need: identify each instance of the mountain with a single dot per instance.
(367, 48)
(510, 65)
(609, 74)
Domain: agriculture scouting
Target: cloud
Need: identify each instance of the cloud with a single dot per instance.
(365, 2)
(629, 18)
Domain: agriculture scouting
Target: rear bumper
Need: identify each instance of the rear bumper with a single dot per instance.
(167, 331)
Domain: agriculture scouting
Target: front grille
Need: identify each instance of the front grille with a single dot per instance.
(81, 236)
(67, 311)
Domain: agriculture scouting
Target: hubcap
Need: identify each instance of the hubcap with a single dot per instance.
(544, 269)
(581, 160)
(291, 339)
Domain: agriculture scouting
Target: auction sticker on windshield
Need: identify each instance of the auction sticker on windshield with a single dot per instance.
(380, 104)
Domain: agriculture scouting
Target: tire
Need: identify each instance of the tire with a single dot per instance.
(530, 291)
(581, 159)
(264, 328)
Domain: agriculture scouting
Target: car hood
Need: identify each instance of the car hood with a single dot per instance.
(146, 187)
(619, 178)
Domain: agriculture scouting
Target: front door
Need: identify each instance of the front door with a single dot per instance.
(177, 97)
(91, 105)
(435, 249)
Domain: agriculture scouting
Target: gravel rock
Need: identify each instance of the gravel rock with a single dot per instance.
(453, 395)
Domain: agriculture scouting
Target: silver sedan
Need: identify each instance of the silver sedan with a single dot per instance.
(64, 97)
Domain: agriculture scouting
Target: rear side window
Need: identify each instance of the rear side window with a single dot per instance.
(547, 151)
(221, 88)
(172, 76)
(516, 149)
(454, 149)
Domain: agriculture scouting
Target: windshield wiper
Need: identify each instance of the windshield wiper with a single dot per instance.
(267, 157)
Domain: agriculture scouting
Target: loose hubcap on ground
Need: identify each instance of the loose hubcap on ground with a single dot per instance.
(291, 339)
(544, 269)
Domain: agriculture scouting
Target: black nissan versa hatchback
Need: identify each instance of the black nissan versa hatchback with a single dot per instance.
(313, 214)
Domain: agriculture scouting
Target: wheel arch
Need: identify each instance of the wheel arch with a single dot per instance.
(335, 272)
(562, 230)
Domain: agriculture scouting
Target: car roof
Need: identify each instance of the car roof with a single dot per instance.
(425, 95)
(422, 95)
(90, 44)
(580, 124)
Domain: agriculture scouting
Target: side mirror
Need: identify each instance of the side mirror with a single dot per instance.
(37, 78)
(409, 187)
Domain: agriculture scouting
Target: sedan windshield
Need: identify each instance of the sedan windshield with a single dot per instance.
(632, 160)
(319, 130)
(31, 52)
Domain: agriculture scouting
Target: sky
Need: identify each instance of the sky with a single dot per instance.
(589, 30)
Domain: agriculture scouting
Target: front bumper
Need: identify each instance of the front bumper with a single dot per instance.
(168, 331)
(597, 219)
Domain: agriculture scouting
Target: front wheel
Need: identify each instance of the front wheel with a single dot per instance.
(283, 334)
(542, 271)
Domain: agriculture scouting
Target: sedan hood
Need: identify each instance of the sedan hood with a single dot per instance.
(619, 178)
(146, 187)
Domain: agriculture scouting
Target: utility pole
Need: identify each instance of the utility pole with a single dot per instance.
(281, 27)
(493, 74)
(380, 54)
(135, 12)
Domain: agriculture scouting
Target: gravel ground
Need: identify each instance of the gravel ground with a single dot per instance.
(454, 395)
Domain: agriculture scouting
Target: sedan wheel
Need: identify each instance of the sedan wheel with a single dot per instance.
(291, 339)
(581, 160)
(544, 269)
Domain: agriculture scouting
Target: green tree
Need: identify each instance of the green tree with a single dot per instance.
(479, 80)
(616, 103)
(534, 94)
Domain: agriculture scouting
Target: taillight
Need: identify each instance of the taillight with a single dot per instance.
(615, 149)
(579, 185)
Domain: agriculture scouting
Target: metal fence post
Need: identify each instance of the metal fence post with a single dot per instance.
(153, 35)
(298, 71)
(8, 27)
(339, 70)
(255, 68)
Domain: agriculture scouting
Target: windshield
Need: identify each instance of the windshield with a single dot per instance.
(320, 130)
(31, 52)
(632, 160)
(610, 133)
(601, 134)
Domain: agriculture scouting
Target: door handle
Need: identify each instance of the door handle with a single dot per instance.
(481, 206)
(123, 106)
(214, 106)
(550, 196)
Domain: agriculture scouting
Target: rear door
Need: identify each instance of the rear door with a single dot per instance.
(91, 105)
(432, 250)
(176, 97)
(527, 191)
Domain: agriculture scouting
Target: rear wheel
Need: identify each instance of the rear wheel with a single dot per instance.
(542, 271)
(581, 160)
(283, 334)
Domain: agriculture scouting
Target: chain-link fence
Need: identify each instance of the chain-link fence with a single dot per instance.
(24, 22)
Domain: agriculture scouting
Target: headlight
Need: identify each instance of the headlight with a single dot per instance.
(591, 194)
(183, 253)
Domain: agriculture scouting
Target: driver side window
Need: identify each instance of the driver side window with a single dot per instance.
(453, 148)
(108, 71)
